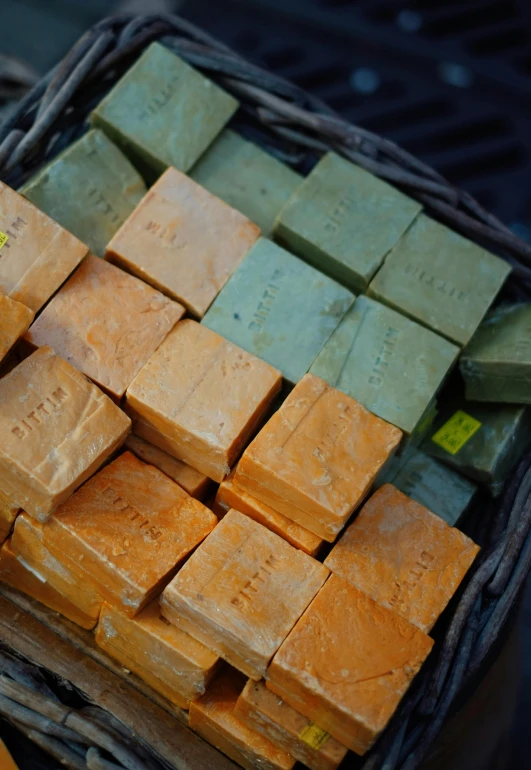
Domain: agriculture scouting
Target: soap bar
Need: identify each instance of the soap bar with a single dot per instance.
(344, 220)
(496, 364)
(214, 719)
(163, 112)
(90, 189)
(247, 178)
(181, 667)
(391, 365)
(106, 323)
(347, 663)
(279, 308)
(403, 556)
(15, 319)
(269, 715)
(57, 429)
(440, 279)
(184, 241)
(242, 591)
(317, 457)
(203, 396)
(8, 514)
(38, 254)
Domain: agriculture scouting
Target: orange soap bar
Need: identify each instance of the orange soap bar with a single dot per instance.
(242, 592)
(203, 397)
(214, 719)
(106, 323)
(184, 241)
(57, 428)
(38, 255)
(403, 556)
(15, 319)
(6, 760)
(8, 514)
(317, 457)
(269, 715)
(347, 663)
(230, 495)
(126, 531)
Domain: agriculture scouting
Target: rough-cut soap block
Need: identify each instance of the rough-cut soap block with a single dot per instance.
(279, 308)
(440, 279)
(106, 323)
(90, 188)
(270, 716)
(214, 719)
(203, 396)
(180, 667)
(57, 429)
(15, 319)
(242, 591)
(38, 254)
(163, 112)
(496, 364)
(247, 178)
(347, 663)
(8, 514)
(390, 364)
(184, 241)
(344, 221)
(317, 457)
(126, 531)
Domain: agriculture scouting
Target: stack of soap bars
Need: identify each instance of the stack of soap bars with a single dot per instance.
(210, 368)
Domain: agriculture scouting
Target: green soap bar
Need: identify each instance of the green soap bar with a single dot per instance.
(90, 189)
(390, 364)
(344, 221)
(247, 178)
(440, 279)
(279, 308)
(163, 112)
(496, 364)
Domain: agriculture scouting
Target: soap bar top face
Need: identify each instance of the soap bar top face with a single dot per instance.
(391, 365)
(57, 429)
(90, 188)
(38, 254)
(15, 319)
(247, 178)
(403, 556)
(163, 112)
(206, 394)
(127, 530)
(347, 663)
(440, 279)
(106, 323)
(279, 308)
(184, 241)
(344, 221)
(245, 587)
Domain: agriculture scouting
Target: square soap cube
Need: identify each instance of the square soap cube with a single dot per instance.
(279, 308)
(163, 112)
(106, 323)
(440, 279)
(242, 591)
(317, 457)
(202, 397)
(15, 319)
(126, 531)
(344, 221)
(90, 189)
(57, 429)
(184, 241)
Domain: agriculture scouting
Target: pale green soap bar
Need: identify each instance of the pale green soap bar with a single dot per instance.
(90, 189)
(440, 279)
(390, 364)
(344, 221)
(163, 112)
(247, 178)
(496, 364)
(279, 308)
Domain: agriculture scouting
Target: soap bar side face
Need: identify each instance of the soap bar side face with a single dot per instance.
(15, 319)
(8, 514)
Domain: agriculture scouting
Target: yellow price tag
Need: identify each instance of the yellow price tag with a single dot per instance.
(314, 736)
(3, 239)
(456, 432)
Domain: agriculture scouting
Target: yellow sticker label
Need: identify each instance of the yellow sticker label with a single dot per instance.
(456, 432)
(3, 239)
(314, 736)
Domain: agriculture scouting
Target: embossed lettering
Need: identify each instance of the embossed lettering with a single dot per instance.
(245, 596)
(42, 412)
